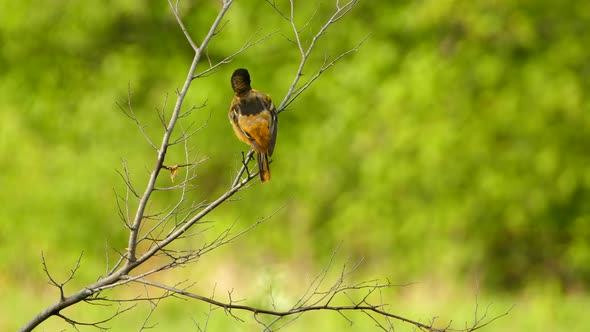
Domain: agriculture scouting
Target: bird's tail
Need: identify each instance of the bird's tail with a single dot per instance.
(263, 168)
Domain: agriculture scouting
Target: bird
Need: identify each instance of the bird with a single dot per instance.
(254, 119)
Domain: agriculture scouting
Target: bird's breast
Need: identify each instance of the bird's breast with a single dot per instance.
(257, 126)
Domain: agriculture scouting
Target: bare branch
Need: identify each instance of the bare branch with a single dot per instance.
(60, 285)
(278, 10)
(121, 213)
(207, 317)
(245, 161)
(325, 66)
(179, 20)
(154, 302)
(127, 179)
(162, 115)
(96, 324)
(131, 114)
(158, 229)
(249, 43)
(308, 23)
(229, 306)
(305, 52)
(130, 261)
(132, 246)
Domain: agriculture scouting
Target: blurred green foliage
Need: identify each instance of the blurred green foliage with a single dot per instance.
(455, 143)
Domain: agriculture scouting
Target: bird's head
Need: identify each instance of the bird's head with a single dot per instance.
(240, 81)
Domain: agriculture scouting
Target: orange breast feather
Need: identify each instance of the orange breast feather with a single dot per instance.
(258, 128)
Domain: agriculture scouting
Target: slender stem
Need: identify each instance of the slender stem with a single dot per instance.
(339, 13)
(294, 311)
(131, 263)
(132, 246)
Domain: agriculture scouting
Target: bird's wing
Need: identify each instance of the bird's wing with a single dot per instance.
(273, 123)
(246, 127)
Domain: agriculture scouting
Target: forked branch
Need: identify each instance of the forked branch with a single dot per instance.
(305, 51)
(129, 259)
(156, 231)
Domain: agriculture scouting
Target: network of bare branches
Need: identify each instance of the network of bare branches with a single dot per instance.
(151, 235)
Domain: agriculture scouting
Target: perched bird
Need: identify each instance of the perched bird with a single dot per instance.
(254, 119)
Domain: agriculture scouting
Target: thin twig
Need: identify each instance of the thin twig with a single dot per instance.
(305, 52)
(249, 43)
(132, 246)
(231, 306)
(60, 285)
(179, 220)
(182, 27)
(130, 256)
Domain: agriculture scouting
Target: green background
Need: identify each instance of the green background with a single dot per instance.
(452, 151)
